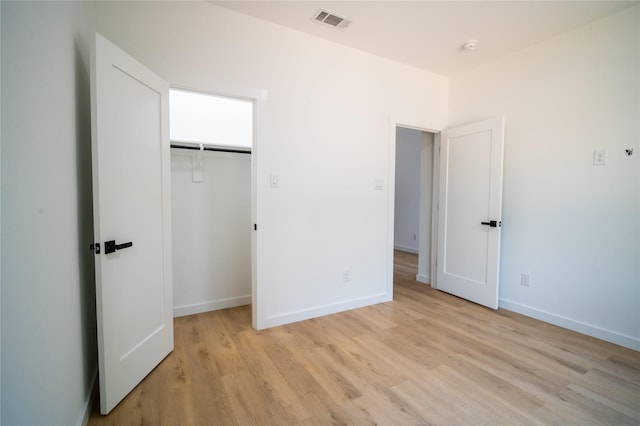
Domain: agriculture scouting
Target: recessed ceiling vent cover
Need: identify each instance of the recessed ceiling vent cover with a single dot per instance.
(329, 18)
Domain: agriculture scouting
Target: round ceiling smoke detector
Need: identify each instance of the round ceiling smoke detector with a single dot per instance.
(470, 45)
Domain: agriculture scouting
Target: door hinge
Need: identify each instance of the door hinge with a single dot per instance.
(255, 226)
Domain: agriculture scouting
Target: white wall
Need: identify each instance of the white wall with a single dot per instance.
(572, 226)
(48, 296)
(325, 210)
(211, 226)
(324, 132)
(407, 194)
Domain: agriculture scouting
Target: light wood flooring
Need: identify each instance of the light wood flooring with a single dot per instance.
(425, 358)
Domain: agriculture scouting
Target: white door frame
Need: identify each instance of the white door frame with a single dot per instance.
(435, 211)
(435, 194)
(259, 100)
(393, 124)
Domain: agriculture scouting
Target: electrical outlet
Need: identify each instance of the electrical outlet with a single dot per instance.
(525, 279)
(346, 276)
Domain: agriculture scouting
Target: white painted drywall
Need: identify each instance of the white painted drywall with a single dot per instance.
(407, 194)
(49, 357)
(325, 211)
(571, 225)
(211, 231)
(324, 132)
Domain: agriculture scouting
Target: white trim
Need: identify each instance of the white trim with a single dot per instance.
(425, 254)
(319, 311)
(258, 307)
(395, 122)
(435, 210)
(424, 279)
(212, 305)
(391, 208)
(406, 249)
(571, 324)
(83, 418)
(237, 92)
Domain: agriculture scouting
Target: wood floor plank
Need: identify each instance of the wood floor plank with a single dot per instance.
(336, 386)
(602, 407)
(612, 387)
(433, 406)
(222, 345)
(282, 401)
(621, 367)
(385, 408)
(374, 318)
(427, 357)
(455, 398)
(249, 402)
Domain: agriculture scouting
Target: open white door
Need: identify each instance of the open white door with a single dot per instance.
(470, 211)
(132, 220)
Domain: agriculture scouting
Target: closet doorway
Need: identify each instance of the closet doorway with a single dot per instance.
(212, 139)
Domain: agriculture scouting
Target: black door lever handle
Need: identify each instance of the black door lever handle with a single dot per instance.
(111, 246)
(492, 223)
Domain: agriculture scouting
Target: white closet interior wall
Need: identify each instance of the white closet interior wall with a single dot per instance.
(211, 232)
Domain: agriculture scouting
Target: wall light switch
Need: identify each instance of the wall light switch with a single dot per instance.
(599, 157)
(274, 180)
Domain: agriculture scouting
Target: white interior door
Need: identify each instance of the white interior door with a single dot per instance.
(470, 211)
(131, 204)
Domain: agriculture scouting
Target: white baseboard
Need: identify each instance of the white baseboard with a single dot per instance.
(305, 314)
(83, 418)
(212, 305)
(407, 249)
(424, 279)
(581, 327)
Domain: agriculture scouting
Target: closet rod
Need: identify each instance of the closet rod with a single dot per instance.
(208, 148)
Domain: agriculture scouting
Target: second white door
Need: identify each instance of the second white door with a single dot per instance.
(470, 211)
(132, 220)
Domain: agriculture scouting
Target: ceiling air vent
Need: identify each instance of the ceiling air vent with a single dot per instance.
(329, 18)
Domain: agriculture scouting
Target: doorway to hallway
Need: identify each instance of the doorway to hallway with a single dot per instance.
(413, 197)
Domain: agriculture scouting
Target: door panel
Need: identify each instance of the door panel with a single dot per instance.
(131, 184)
(470, 193)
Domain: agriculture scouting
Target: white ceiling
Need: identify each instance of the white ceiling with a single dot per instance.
(429, 34)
